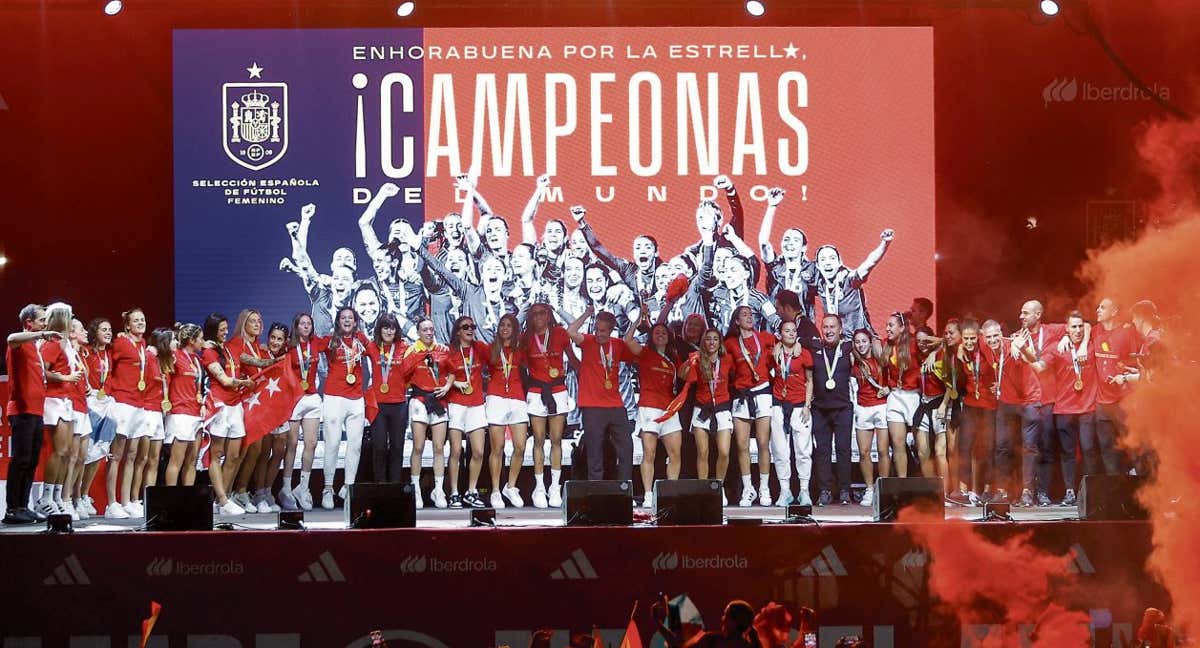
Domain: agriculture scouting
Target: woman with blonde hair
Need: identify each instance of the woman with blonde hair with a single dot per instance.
(62, 370)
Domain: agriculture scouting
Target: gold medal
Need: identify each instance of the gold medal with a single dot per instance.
(141, 385)
(351, 378)
(304, 385)
(100, 394)
(1078, 384)
(166, 405)
(830, 384)
(784, 392)
(553, 372)
(199, 398)
(952, 393)
(468, 389)
(608, 384)
(383, 389)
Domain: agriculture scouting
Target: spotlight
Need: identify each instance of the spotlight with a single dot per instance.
(406, 9)
(113, 7)
(3, 260)
(1050, 7)
(755, 8)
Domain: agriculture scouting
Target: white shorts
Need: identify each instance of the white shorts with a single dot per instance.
(127, 417)
(308, 407)
(647, 425)
(939, 425)
(724, 420)
(83, 424)
(902, 406)
(152, 426)
(505, 411)
(182, 427)
(339, 414)
(466, 419)
(57, 409)
(228, 422)
(418, 414)
(870, 418)
(762, 402)
(535, 406)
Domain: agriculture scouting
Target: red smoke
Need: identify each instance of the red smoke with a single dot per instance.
(1009, 584)
(1162, 266)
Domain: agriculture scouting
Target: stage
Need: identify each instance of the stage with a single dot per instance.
(446, 584)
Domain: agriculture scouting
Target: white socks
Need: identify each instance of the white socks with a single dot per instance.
(746, 482)
(304, 475)
(764, 481)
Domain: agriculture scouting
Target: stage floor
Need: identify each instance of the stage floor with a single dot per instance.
(430, 518)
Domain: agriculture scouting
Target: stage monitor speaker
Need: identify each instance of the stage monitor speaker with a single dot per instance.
(598, 503)
(179, 508)
(390, 505)
(1110, 497)
(895, 493)
(688, 501)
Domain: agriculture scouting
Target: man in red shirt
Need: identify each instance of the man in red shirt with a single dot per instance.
(1041, 338)
(600, 402)
(1115, 344)
(27, 394)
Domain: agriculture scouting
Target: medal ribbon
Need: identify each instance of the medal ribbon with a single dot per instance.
(829, 367)
(746, 355)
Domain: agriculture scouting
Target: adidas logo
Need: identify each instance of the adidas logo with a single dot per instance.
(915, 559)
(1078, 561)
(665, 561)
(324, 570)
(160, 567)
(413, 565)
(826, 563)
(70, 572)
(575, 567)
(668, 561)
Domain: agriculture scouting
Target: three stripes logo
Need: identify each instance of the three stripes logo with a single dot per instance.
(414, 565)
(324, 570)
(575, 567)
(70, 572)
(826, 563)
(1078, 561)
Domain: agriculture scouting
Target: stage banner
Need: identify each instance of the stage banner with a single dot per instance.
(435, 171)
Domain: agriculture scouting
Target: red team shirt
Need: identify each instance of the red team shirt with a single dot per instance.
(1066, 399)
(305, 355)
(1113, 350)
(980, 362)
(184, 384)
(506, 386)
(592, 373)
(55, 359)
(796, 380)
(127, 357)
(231, 367)
(706, 393)
(868, 394)
(1019, 383)
(98, 364)
(1046, 338)
(152, 398)
(345, 356)
(911, 378)
(467, 365)
(753, 367)
(240, 346)
(657, 378)
(396, 381)
(416, 370)
(541, 361)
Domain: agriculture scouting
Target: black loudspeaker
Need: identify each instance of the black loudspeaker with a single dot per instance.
(1110, 497)
(687, 501)
(179, 508)
(598, 503)
(388, 505)
(895, 493)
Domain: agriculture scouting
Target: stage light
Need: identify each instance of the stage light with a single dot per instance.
(1050, 7)
(3, 260)
(755, 8)
(405, 9)
(113, 7)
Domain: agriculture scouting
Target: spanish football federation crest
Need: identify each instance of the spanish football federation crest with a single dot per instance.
(255, 123)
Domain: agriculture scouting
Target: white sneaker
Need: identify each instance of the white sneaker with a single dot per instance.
(244, 503)
(303, 498)
(45, 507)
(539, 497)
(66, 507)
(804, 499)
(764, 496)
(81, 509)
(784, 499)
(343, 491)
(141, 511)
(724, 499)
(496, 500)
(90, 505)
(231, 507)
(648, 501)
(270, 500)
(555, 499)
(131, 509)
(748, 497)
(439, 498)
(114, 511)
(417, 496)
(327, 499)
(513, 495)
(868, 497)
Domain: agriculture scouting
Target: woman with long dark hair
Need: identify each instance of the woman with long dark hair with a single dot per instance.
(505, 407)
(426, 367)
(305, 349)
(344, 407)
(226, 426)
(155, 406)
(870, 410)
(387, 430)
(547, 400)
(750, 353)
(131, 362)
(903, 373)
(710, 368)
(97, 357)
(274, 445)
(187, 413)
(658, 369)
(465, 409)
